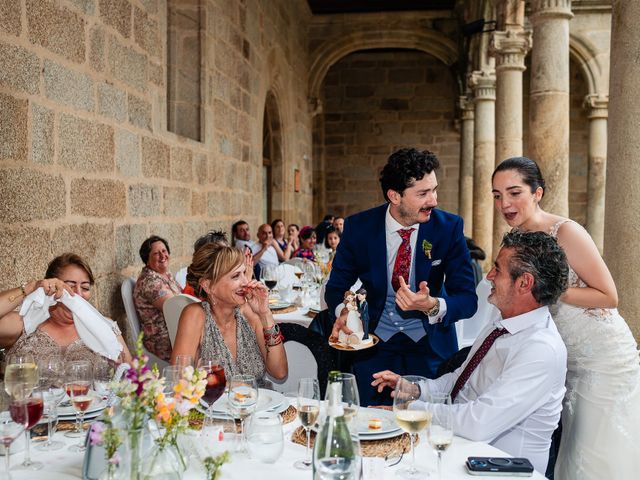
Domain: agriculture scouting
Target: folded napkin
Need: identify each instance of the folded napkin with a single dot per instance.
(95, 331)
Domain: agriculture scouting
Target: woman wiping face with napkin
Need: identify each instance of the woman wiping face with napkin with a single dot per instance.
(46, 325)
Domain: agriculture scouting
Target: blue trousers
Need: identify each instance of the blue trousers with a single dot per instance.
(401, 355)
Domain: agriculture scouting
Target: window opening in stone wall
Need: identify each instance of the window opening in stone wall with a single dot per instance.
(184, 47)
(267, 155)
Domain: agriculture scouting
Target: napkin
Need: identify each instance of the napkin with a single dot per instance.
(95, 331)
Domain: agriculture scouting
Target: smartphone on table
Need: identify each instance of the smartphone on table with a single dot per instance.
(499, 466)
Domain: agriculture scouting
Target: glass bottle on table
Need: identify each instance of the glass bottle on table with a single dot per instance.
(410, 417)
(33, 406)
(78, 380)
(334, 453)
(308, 405)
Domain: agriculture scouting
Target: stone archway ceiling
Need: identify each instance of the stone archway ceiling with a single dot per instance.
(323, 7)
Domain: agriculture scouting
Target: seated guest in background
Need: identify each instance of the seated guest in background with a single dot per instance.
(307, 243)
(331, 241)
(266, 251)
(338, 224)
(293, 232)
(509, 390)
(279, 230)
(155, 286)
(217, 328)
(216, 237)
(57, 334)
(241, 236)
(321, 228)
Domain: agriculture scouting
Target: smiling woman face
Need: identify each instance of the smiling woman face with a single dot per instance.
(230, 288)
(159, 257)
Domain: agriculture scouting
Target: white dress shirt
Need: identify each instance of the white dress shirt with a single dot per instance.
(513, 398)
(394, 240)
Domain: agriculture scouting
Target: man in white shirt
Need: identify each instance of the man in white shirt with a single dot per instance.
(241, 235)
(266, 251)
(509, 391)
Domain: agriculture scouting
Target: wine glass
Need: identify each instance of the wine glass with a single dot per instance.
(81, 400)
(269, 276)
(79, 376)
(412, 420)
(34, 405)
(13, 421)
(102, 376)
(183, 361)
(440, 431)
(216, 381)
(308, 411)
(171, 375)
(243, 400)
(52, 385)
(21, 369)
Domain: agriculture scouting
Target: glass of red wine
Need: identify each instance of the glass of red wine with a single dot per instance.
(216, 381)
(79, 376)
(269, 276)
(33, 405)
(13, 421)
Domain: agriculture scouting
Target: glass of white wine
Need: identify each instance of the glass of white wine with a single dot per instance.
(21, 369)
(308, 404)
(411, 419)
(440, 431)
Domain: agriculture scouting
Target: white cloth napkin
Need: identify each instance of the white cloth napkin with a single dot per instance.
(95, 331)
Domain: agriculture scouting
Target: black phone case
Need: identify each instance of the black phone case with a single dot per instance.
(499, 465)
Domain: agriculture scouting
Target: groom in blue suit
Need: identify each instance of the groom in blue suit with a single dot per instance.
(414, 263)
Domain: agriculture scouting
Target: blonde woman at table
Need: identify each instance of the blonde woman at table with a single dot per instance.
(58, 334)
(217, 328)
(601, 411)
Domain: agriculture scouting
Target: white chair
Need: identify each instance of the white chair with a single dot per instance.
(301, 363)
(467, 330)
(172, 309)
(133, 321)
(181, 277)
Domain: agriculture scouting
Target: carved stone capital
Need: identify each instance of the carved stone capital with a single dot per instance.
(466, 107)
(541, 9)
(510, 48)
(483, 83)
(597, 105)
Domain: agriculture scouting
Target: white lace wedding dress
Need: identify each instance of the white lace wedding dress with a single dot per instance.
(601, 410)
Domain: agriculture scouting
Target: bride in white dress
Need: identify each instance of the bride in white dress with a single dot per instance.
(601, 411)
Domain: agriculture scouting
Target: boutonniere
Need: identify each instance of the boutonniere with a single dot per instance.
(426, 248)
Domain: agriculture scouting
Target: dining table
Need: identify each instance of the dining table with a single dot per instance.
(67, 465)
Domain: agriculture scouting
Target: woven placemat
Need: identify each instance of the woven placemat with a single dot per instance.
(196, 418)
(370, 448)
(289, 309)
(67, 426)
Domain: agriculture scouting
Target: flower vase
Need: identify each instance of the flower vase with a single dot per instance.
(164, 462)
(133, 453)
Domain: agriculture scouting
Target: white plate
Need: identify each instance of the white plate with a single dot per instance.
(68, 411)
(381, 436)
(267, 400)
(279, 305)
(387, 417)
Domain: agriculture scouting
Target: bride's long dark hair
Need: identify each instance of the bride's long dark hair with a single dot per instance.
(527, 168)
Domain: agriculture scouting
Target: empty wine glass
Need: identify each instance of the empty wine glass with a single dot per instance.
(103, 372)
(440, 431)
(52, 385)
(183, 361)
(34, 405)
(411, 420)
(308, 405)
(243, 400)
(171, 375)
(13, 421)
(78, 380)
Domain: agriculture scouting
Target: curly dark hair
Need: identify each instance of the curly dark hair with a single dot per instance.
(145, 248)
(540, 255)
(404, 167)
(527, 168)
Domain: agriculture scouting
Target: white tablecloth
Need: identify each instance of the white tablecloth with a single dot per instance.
(298, 316)
(66, 465)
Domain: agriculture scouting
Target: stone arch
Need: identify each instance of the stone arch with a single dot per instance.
(272, 156)
(585, 55)
(429, 41)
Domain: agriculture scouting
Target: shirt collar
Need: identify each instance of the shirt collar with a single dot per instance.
(523, 321)
(392, 225)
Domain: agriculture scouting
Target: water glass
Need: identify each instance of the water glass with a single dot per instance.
(172, 375)
(265, 437)
(183, 361)
(243, 401)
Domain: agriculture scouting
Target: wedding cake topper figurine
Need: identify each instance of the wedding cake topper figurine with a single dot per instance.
(357, 315)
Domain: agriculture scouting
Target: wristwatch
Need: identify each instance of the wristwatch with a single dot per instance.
(435, 310)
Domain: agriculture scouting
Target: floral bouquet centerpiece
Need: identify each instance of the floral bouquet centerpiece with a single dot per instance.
(141, 398)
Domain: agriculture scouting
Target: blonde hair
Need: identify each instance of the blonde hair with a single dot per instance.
(212, 262)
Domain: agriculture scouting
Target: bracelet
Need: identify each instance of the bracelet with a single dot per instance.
(273, 336)
(12, 298)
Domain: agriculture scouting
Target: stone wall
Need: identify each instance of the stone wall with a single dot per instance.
(376, 102)
(86, 160)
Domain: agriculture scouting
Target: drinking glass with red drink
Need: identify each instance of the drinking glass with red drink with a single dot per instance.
(79, 376)
(82, 397)
(216, 381)
(30, 407)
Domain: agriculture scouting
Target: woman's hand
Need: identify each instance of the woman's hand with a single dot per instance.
(257, 297)
(53, 286)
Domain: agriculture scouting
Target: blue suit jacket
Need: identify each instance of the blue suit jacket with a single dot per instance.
(362, 253)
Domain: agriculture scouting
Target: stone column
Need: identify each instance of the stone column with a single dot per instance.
(549, 99)
(597, 106)
(466, 164)
(483, 84)
(622, 219)
(509, 48)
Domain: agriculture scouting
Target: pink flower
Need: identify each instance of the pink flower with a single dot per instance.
(115, 459)
(95, 437)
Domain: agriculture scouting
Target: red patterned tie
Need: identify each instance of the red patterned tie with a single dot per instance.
(403, 259)
(475, 360)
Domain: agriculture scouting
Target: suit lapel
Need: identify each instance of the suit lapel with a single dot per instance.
(378, 251)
